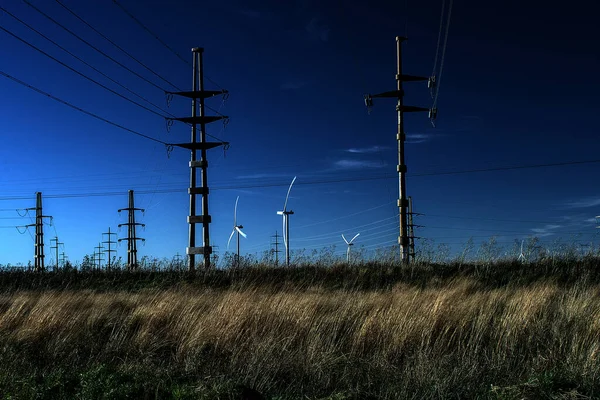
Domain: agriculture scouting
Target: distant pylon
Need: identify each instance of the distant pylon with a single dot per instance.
(56, 248)
(131, 235)
(39, 233)
(109, 250)
(99, 254)
(276, 244)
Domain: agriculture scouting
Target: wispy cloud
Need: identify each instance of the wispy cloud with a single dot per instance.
(318, 30)
(584, 202)
(357, 164)
(367, 150)
(292, 85)
(262, 176)
(546, 230)
(414, 138)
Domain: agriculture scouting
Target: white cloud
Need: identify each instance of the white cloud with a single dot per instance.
(414, 138)
(357, 164)
(584, 203)
(262, 176)
(367, 150)
(546, 230)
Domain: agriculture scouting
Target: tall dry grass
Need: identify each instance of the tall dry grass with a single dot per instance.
(455, 340)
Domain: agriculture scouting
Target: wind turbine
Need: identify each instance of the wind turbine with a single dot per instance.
(522, 256)
(349, 243)
(236, 229)
(286, 226)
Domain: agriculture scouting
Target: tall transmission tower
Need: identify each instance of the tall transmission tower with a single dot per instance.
(403, 238)
(39, 233)
(198, 95)
(98, 253)
(131, 234)
(276, 243)
(109, 250)
(56, 248)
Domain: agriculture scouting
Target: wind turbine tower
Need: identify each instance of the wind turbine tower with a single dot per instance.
(236, 229)
(522, 256)
(350, 244)
(286, 226)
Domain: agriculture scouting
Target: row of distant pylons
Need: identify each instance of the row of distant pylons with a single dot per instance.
(131, 239)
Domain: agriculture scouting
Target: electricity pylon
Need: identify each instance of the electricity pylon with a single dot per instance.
(131, 236)
(398, 94)
(198, 95)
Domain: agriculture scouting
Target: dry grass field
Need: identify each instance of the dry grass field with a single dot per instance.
(451, 338)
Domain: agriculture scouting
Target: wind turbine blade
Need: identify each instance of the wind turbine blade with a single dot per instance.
(288, 195)
(344, 237)
(240, 232)
(230, 236)
(235, 212)
(355, 236)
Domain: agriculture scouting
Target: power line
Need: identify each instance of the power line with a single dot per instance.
(82, 74)
(92, 46)
(116, 45)
(490, 219)
(80, 109)
(84, 62)
(155, 36)
(95, 69)
(266, 185)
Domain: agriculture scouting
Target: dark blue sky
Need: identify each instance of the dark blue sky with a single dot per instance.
(519, 87)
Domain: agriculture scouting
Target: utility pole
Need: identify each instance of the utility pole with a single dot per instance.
(109, 250)
(99, 254)
(403, 239)
(56, 248)
(198, 95)
(276, 244)
(131, 235)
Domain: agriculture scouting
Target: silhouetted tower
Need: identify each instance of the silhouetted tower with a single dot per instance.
(276, 244)
(109, 250)
(56, 248)
(39, 233)
(98, 254)
(198, 95)
(131, 234)
(403, 238)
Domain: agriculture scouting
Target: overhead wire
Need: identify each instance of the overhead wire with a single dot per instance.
(115, 45)
(129, 55)
(84, 62)
(155, 36)
(439, 76)
(81, 109)
(92, 46)
(110, 58)
(82, 74)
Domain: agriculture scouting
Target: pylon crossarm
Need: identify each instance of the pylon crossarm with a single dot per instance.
(411, 108)
(206, 119)
(199, 94)
(200, 145)
(412, 78)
